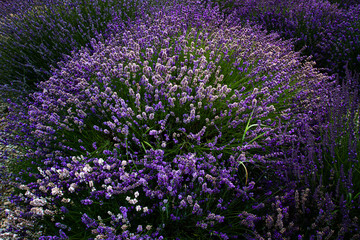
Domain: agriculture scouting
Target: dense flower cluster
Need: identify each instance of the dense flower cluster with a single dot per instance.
(179, 124)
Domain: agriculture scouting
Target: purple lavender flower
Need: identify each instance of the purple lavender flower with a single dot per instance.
(90, 223)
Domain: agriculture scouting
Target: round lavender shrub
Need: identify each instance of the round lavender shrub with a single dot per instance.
(42, 34)
(163, 130)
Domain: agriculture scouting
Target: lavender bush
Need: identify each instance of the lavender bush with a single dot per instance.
(188, 124)
(162, 131)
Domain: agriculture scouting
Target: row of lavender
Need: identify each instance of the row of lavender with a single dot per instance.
(35, 40)
(324, 30)
(179, 123)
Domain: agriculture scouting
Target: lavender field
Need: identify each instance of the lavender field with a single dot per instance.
(180, 119)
